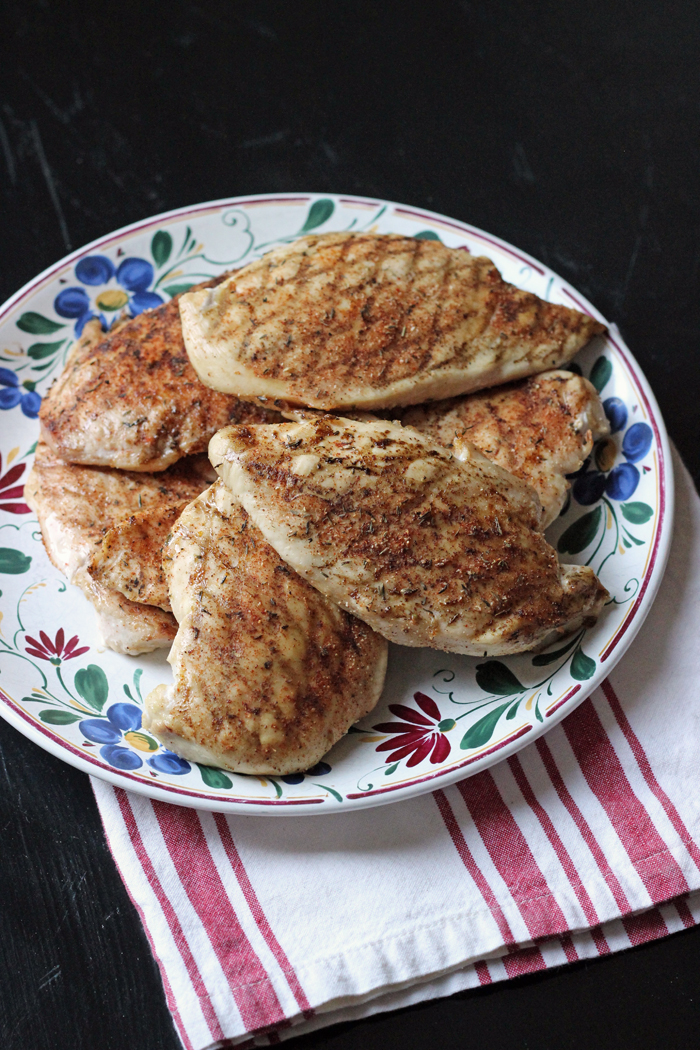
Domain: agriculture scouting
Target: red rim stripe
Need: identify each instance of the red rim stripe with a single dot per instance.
(555, 707)
(461, 765)
(464, 228)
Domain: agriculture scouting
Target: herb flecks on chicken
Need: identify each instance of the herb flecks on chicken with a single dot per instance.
(426, 549)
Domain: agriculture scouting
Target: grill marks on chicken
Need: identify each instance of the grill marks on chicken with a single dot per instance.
(268, 673)
(130, 398)
(539, 429)
(343, 320)
(77, 505)
(424, 548)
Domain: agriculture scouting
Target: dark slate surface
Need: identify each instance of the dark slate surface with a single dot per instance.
(572, 131)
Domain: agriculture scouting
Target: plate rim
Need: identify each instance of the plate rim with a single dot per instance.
(399, 792)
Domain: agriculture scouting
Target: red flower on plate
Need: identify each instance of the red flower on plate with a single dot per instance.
(11, 491)
(54, 651)
(419, 735)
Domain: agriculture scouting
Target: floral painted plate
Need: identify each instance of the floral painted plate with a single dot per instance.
(442, 717)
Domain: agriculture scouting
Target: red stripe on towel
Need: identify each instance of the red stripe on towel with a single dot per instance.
(170, 915)
(656, 866)
(512, 856)
(248, 980)
(259, 915)
(648, 773)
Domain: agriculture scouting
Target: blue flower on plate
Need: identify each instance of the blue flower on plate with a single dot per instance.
(617, 482)
(12, 393)
(121, 725)
(319, 770)
(133, 275)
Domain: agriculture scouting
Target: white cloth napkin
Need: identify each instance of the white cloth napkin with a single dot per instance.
(585, 842)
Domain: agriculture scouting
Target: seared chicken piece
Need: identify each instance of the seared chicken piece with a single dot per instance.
(424, 548)
(268, 673)
(77, 505)
(363, 320)
(129, 398)
(130, 559)
(539, 429)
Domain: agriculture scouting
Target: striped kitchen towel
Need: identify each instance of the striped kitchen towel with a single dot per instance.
(585, 842)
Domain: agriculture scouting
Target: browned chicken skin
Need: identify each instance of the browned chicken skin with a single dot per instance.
(362, 320)
(130, 398)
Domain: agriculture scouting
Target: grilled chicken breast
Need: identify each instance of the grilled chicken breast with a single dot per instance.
(539, 429)
(76, 505)
(268, 673)
(424, 548)
(362, 320)
(130, 398)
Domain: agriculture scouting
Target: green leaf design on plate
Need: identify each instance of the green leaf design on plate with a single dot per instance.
(13, 562)
(426, 235)
(513, 711)
(495, 677)
(37, 324)
(482, 731)
(319, 212)
(548, 658)
(331, 791)
(581, 533)
(91, 685)
(214, 778)
(59, 718)
(600, 373)
(38, 351)
(391, 769)
(582, 666)
(161, 247)
(637, 513)
(177, 289)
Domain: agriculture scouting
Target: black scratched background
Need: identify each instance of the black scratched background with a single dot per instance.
(571, 130)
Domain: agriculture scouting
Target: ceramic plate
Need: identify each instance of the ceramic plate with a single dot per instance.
(442, 717)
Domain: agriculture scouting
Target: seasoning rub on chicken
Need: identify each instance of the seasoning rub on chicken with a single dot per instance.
(539, 429)
(427, 550)
(268, 673)
(363, 320)
(130, 398)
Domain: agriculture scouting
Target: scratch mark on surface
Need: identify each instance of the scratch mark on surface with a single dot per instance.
(630, 270)
(53, 974)
(521, 165)
(266, 140)
(51, 185)
(7, 150)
